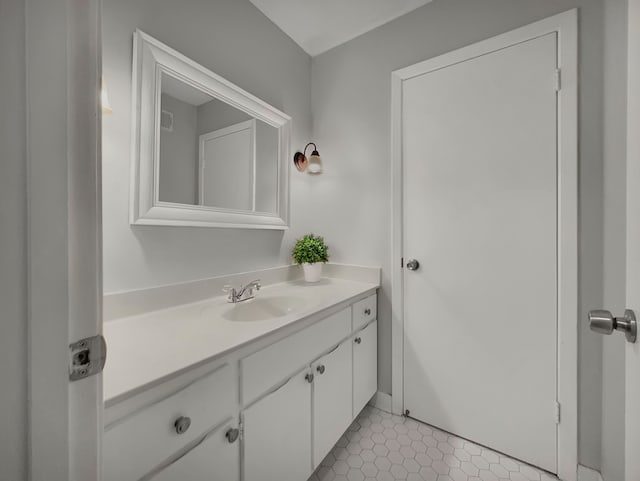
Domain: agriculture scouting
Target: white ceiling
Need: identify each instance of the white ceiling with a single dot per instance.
(319, 25)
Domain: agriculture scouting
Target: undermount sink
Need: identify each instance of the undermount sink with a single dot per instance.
(263, 308)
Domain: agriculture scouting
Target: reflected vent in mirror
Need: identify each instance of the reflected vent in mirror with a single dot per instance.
(166, 121)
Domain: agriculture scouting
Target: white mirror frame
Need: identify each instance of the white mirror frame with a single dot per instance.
(151, 58)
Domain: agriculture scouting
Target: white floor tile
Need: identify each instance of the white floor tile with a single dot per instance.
(379, 446)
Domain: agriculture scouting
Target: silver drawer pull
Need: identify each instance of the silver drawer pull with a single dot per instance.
(232, 435)
(320, 369)
(357, 340)
(309, 378)
(367, 312)
(182, 424)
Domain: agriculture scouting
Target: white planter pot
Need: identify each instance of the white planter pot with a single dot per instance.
(312, 272)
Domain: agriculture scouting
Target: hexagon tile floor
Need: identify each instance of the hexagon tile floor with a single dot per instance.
(379, 446)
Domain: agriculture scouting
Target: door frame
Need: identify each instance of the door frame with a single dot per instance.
(632, 351)
(215, 134)
(64, 234)
(566, 26)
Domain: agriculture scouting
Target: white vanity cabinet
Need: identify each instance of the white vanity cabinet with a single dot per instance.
(270, 410)
(332, 399)
(365, 365)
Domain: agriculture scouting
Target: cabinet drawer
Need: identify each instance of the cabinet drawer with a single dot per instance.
(141, 441)
(213, 458)
(264, 369)
(364, 311)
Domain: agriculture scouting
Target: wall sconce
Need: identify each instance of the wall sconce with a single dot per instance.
(313, 165)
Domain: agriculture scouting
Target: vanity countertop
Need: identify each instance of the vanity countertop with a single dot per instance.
(150, 347)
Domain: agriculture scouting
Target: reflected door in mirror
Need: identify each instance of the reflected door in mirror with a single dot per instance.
(213, 154)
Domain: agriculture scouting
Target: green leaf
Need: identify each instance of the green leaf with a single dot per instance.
(310, 249)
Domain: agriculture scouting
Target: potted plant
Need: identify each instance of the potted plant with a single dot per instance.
(311, 252)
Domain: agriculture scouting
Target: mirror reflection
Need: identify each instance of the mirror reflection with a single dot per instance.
(213, 154)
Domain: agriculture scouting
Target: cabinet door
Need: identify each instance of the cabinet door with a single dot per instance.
(365, 366)
(277, 433)
(214, 458)
(332, 399)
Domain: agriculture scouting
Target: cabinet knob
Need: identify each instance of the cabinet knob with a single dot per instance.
(367, 312)
(320, 369)
(309, 377)
(357, 340)
(182, 424)
(232, 435)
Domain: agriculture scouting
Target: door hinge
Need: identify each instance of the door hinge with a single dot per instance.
(558, 79)
(87, 357)
(241, 429)
(402, 262)
(556, 416)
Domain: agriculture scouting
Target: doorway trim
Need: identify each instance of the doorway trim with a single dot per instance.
(63, 43)
(566, 26)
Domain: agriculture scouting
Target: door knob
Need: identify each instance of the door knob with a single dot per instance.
(413, 265)
(603, 322)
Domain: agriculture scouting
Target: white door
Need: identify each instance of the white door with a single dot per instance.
(64, 235)
(276, 444)
(479, 140)
(227, 155)
(332, 397)
(632, 425)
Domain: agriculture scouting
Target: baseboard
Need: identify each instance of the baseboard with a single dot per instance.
(588, 474)
(382, 401)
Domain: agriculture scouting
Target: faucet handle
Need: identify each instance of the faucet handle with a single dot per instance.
(255, 284)
(228, 288)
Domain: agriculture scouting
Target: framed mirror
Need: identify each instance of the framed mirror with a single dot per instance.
(205, 152)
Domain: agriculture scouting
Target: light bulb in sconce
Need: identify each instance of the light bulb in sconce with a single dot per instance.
(104, 99)
(313, 165)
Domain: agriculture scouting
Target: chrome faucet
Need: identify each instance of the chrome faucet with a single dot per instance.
(244, 293)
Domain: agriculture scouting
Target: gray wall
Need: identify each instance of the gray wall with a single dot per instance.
(179, 153)
(235, 40)
(614, 265)
(351, 124)
(13, 243)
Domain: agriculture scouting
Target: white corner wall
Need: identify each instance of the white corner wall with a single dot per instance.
(13, 243)
(351, 123)
(235, 40)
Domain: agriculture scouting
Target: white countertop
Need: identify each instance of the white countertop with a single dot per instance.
(149, 347)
